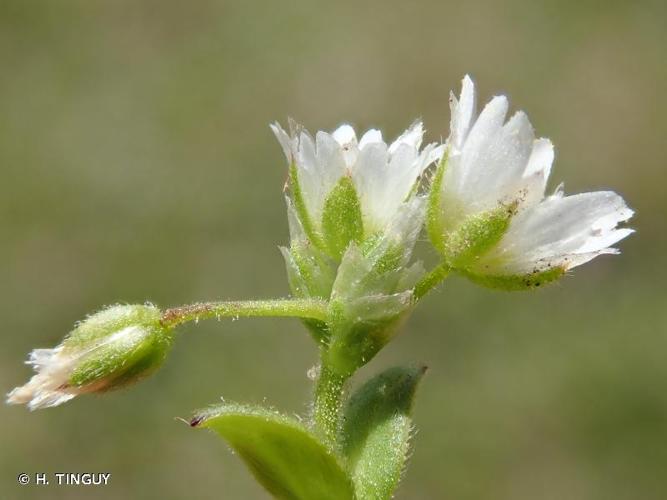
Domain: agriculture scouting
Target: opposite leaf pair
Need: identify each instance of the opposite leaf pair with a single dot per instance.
(292, 462)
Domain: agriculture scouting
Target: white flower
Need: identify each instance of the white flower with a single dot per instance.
(383, 176)
(355, 213)
(109, 349)
(497, 169)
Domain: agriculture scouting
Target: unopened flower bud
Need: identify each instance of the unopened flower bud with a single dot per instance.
(109, 349)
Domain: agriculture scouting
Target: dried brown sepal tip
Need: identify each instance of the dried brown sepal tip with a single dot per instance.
(196, 420)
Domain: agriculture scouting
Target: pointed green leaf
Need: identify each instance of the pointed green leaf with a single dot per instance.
(341, 218)
(289, 461)
(376, 431)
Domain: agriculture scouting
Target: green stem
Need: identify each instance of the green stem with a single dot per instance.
(299, 308)
(431, 280)
(327, 404)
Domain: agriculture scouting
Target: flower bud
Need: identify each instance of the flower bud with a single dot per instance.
(108, 350)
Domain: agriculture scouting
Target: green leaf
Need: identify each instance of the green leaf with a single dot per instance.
(376, 431)
(341, 218)
(289, 461)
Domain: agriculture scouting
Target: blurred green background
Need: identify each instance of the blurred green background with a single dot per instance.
(137, 164)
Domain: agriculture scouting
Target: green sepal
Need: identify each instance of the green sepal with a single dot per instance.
(517, 282)
(316, 271)
(371, 296)
(434, 221)
(101, 324)
(117, 346)
(476, 235)
(288, 460)
(116, 365)
(310, 274)
(359, 329)
(376, 431)
(341, 218)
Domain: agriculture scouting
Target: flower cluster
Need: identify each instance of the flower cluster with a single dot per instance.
(356, 208)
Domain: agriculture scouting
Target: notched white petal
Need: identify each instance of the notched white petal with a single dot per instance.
(488, 123)
(462, 113)
(561, 231)
(287, 143)
(411, 137)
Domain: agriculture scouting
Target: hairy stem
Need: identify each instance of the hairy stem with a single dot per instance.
(298, 308)
(327, 404)
(431, 280)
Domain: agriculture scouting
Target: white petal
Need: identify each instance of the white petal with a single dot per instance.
(286, 142)
(561, 231)
(430, 154)
(404, 168)
(541, 157)
(345, 135)
(537, 171)
(411, 137)
(488, 124)
(464, 169)
(462, 113)
(370, 137)
(384, 183)
(310, 174)
(330, 161)
(370, 176)
(347, 138)
(498, 174)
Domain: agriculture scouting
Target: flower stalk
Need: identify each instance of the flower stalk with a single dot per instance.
(295, 308)
(431, 280)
